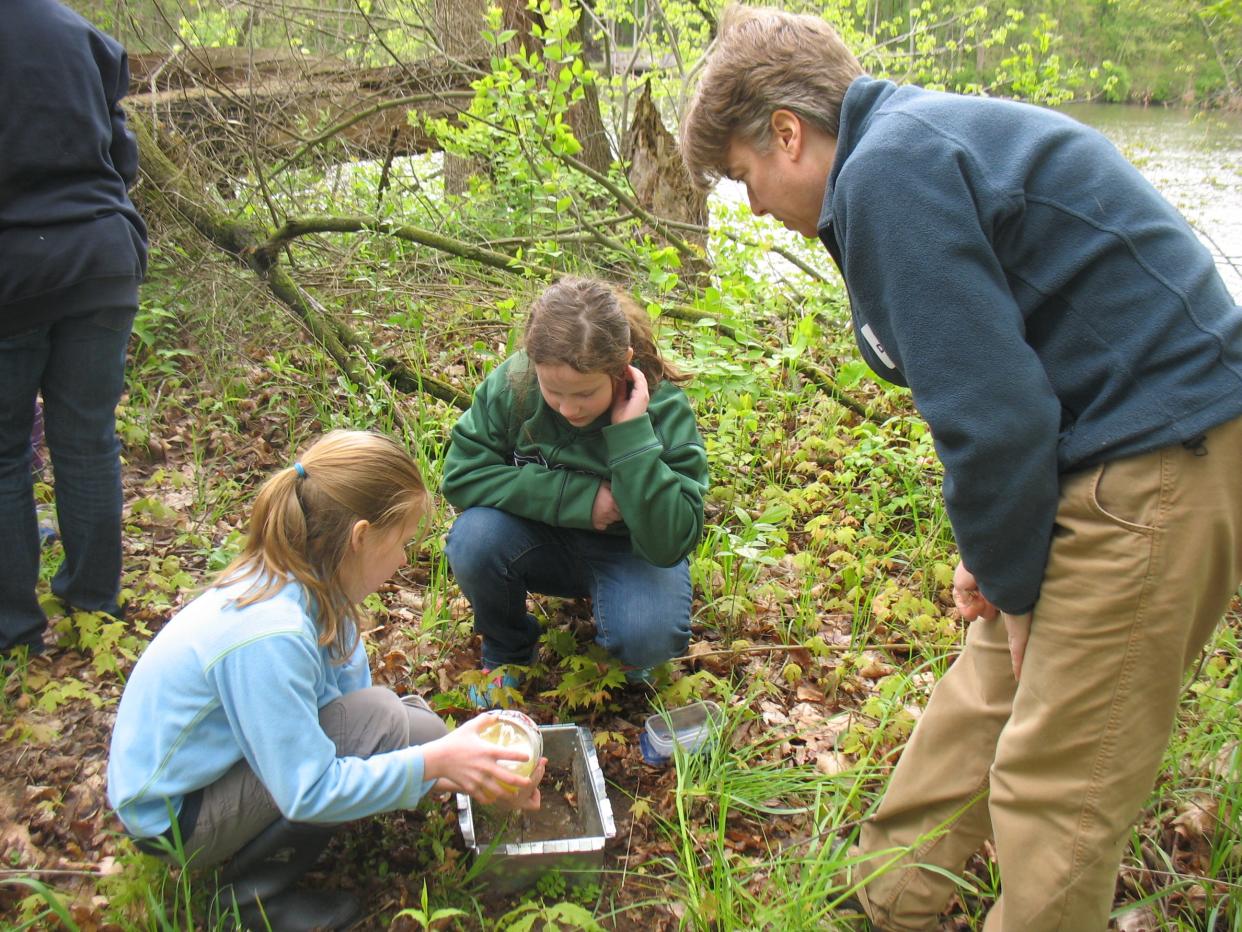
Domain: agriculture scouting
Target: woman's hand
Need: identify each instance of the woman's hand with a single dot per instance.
(464, 762)
(967, 597)
(1018, 631)
(605, 510)
(973, 604)
(630, 395)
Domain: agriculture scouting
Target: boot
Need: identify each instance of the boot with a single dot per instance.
(256, 887)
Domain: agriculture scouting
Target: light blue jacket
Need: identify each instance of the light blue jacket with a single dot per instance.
(221, 684)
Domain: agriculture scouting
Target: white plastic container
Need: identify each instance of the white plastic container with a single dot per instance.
(688, 727)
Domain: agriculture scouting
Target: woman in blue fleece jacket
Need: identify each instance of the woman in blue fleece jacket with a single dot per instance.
(249, 728)
(1079, 361)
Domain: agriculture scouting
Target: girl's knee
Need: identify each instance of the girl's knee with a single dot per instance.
(367, 722)
(648, 644)
(424, 724)
(472, 540)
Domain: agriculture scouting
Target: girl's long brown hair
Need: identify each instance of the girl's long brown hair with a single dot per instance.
(300, 525)
(589, 325)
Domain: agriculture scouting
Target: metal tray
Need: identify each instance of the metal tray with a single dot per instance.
(509, 865)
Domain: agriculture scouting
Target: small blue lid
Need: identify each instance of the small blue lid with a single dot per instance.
(650, 754)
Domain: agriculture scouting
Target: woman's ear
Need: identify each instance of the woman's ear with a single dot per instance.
(358, 533)
(787, 131)
(629, 355)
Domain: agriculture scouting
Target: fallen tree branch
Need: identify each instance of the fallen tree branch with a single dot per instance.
(337, 128)
(176, 188)
(685, 249)
(304, 226)
(261, 253)
(292, 229)
(743, 241)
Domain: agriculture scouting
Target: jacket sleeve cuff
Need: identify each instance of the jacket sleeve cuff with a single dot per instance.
(629, 438)
(577, 500)
(416, 786)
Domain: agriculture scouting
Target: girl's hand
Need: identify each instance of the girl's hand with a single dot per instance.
(630, 395)
(605, 510)
(528, 799)
(463, 762)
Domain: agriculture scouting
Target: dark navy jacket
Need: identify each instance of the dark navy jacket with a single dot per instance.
(1048, 309)
(70, 239)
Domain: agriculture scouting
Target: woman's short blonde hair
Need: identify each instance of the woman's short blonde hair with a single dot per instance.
(763, 60)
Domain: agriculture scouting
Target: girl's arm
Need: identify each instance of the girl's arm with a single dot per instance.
(659, 475)
(278, 729)
(479, 469)
(268, 689)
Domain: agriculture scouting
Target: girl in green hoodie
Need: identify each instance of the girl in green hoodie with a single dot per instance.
(579, 471)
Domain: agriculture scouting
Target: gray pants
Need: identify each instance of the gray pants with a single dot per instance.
(237, 807)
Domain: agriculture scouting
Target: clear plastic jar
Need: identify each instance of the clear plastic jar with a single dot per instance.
(517, 730)
(689, 727)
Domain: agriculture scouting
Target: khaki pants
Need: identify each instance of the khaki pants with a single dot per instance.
(369, 721)
(1146, 554)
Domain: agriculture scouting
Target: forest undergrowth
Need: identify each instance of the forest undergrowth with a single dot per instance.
(821, 621)
(304, 282)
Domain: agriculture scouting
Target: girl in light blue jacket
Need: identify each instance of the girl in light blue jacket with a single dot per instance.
(249, 728)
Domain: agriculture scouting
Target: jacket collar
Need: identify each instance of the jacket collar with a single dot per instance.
(863, 98)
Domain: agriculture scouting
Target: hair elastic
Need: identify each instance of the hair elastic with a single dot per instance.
(300, 470)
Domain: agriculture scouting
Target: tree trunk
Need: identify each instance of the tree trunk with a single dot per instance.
(584, 116)
(656, 172)
(459, 27)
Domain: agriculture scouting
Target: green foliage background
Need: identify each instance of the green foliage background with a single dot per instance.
(1147, 51)
(821, 581)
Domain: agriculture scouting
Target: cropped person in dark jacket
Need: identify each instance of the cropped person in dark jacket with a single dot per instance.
(72, 253)
(1079, 361)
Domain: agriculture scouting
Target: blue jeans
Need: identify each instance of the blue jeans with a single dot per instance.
(79, 365)
(642, 611)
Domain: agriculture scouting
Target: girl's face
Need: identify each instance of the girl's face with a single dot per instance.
(578, 397)
(374, 555)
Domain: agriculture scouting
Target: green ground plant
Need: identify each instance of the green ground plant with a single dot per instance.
(834, 545)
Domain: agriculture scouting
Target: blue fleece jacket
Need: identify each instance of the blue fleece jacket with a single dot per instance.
(220, 684)
(71, 241)
(1048, 309)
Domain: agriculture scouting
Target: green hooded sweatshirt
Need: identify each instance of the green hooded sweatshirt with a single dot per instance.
(512, 452)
